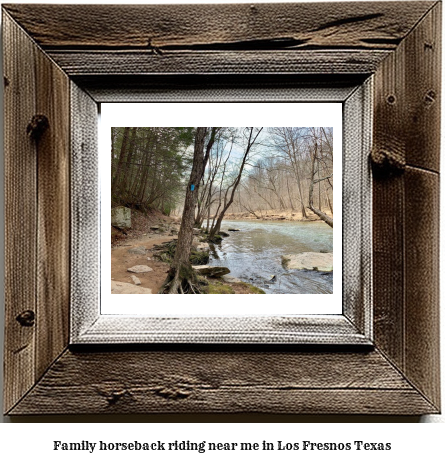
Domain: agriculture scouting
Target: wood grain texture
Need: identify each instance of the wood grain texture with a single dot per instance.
(399, 377)
(37, 213)
(223, 382)
(408, 96)
(219, 87)
(53, 229)
(388, 269)
(112, 329)
(20, 211)
(388, 200)
(421, 210)
(357, 209)
(260, 26)
(423, 91)
(406, 241)
(78, 63)
(85, 212)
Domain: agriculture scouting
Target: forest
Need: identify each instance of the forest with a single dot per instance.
(202, 177)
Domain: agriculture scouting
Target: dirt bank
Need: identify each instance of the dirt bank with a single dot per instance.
(154, 229)
(122, 259)
(140, 226)
(275, 215)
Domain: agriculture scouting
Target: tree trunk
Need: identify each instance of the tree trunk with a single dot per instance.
(290, 197)
(251, 141)
(120, 184)
(328, 200)
(181, 278)
(208, 219)
(122, 156)
(297, 175)
(327, 219)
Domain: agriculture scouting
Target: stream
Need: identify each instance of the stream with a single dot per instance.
(253, 254)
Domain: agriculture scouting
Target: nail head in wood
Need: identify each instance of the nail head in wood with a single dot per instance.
(37, 126)
(430, 97)
(26, 318)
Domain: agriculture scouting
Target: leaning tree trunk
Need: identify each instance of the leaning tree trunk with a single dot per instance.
(327, 219)
(215, 229)
(181, 278)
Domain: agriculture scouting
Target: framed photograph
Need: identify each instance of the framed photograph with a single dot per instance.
(226, 288)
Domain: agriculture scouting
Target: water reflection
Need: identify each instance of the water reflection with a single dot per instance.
(253, 254)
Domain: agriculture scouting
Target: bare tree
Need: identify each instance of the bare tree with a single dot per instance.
(230, 191)
(291, 141)
(216, 160)
(318, 141)
(181, 278)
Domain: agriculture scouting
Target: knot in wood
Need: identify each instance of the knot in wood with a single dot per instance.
(173, 393)
(386, 162)
(112, 395)
(26, 318)
(115, 396)
(37, 126)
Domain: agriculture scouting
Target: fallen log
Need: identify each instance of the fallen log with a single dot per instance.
(211, 271)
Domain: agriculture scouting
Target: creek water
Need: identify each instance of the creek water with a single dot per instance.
(253, 254)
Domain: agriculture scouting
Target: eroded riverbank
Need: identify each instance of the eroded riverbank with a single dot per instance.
(123, 258)
(253, 254)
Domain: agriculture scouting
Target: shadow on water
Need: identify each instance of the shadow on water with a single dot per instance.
(253, 254)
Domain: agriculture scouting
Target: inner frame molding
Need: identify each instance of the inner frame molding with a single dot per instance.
(77, 56)
(354, 326)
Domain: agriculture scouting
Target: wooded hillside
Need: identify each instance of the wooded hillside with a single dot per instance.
(148, 166)
(254, 170)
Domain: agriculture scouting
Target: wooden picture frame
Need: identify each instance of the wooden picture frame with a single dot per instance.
(90, 319)
(73, 57)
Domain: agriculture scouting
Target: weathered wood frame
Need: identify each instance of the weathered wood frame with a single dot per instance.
(90, 323)
(78, 56)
